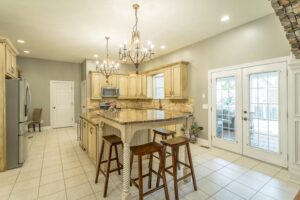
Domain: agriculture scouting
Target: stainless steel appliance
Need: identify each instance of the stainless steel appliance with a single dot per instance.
(18, 100)
(109, 92)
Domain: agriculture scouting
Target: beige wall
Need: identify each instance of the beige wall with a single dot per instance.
(39, 72)
(257, 40)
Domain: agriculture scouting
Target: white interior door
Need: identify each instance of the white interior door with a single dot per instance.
(226, 110)
(62, 103)
(265, 113)
(83, 97)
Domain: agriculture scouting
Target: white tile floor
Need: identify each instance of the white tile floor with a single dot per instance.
(58, 169)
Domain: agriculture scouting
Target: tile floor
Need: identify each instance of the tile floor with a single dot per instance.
(58, 169)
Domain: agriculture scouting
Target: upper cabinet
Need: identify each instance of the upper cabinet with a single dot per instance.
(96, 82)
(175, 81)
(141, 86)
(132, 86)
(9, 58)
(122, 81)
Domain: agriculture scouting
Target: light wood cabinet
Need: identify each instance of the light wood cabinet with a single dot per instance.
(132, 86)
(96, 82)
(144, 86)
(92, 142)
(141, 86)
(123, 86)
(84, 134)
(175, 80)
(10, 62)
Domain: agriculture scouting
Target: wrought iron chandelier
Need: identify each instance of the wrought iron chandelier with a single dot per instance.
(136, 53)
(108, 66)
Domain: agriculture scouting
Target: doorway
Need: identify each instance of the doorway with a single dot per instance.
(62, 103)
(249, 111)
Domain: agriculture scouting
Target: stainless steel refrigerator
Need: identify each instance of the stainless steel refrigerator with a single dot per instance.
(18, 100)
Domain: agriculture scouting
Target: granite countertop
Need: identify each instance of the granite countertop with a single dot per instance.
(130, 116)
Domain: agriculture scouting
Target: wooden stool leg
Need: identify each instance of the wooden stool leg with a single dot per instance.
(99, 162)
(150, 171)
(33, 127)
(140, 171)
(174, 159)
(177, 154)
(107, 171)
(162, 167)
(191, 165)
(131, 163)
(118, 162)
(40, 127)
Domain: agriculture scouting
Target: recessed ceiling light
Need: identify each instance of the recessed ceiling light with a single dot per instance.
(26, 51)
(96, 55)
(162, 46)
(21, 41)
(225, 18)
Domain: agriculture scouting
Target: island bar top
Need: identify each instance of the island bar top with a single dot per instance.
(131, 116)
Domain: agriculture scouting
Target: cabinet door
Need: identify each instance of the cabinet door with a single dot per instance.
(14, 65)
(132, 86)
(139, 86)
(144, 85)
(96, 85)
(92, 142)
(8, 60)
(123, 86)
(84, 135)
(176, 76)
(168, 82)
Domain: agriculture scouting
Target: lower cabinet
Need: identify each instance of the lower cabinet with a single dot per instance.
(84, 134)
(92, 142)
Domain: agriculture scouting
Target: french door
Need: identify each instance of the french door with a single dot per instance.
(249, 112)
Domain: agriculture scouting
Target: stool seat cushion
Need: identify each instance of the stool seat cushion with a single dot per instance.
(177, 141)
(112, 139)
(164, 132)
(146, 149)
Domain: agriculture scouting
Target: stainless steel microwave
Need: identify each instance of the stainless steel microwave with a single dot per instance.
(109, 92)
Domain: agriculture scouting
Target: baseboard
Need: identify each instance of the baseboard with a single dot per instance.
(294, 177)
(203, 142)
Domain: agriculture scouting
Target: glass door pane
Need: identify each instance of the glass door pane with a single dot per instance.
(264, 111)
(225, 108)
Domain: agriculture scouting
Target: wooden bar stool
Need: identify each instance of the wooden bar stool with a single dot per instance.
(112, 141)
(140, 151)
(174, 144)
(164, 133)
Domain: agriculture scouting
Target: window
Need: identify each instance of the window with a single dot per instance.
(158, 86)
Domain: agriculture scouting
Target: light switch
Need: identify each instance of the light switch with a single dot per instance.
(205, 106)
(203, 96)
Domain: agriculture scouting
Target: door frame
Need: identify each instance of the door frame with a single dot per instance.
(83, 92)
(234, 67)
(51, 101)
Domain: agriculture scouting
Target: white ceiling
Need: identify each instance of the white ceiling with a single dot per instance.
(72, 30)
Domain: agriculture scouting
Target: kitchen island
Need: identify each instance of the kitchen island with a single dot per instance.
(131, 121)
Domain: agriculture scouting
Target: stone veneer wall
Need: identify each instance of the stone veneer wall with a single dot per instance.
(288, 12)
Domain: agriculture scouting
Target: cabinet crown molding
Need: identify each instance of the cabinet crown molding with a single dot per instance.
(8, 42)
